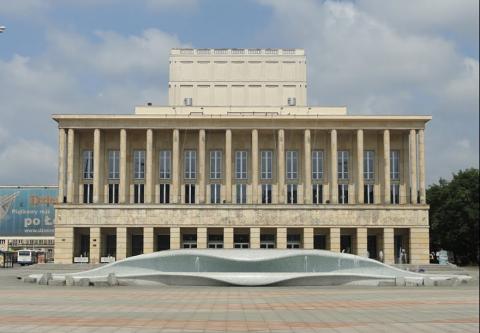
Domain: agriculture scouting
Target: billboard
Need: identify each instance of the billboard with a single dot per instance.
(27, 211)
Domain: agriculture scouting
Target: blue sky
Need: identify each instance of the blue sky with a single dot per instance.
(374, 56)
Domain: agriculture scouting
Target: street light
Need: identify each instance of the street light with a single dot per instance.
(2, 28)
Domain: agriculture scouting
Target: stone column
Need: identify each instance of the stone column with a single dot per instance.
(307, 191)
(123, 185)
(176, 197)
(149, 167)
(388, 246)
(228, 166)
(95, 244)
(255, 167)
(255, 238)
(361, 242)
(174, 238)
(228, 238)
(63, 245)
(97, 174)
(421, 166)
(333, 168)
(419, 246)
(386, 166)
(281, 238)
(61, 164)
(121, 243)
(202, 238)
(71, 166)
(148, 240)
(335, 239)
(360, 198)
(412, 139)
(308, 238)
(201, 166)
(281, 166)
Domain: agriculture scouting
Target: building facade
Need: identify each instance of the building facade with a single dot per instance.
(238, 160)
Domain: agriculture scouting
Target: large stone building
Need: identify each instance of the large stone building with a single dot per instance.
(238, 160)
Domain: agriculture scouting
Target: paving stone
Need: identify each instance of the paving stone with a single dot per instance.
(44, 279)
(53, 282)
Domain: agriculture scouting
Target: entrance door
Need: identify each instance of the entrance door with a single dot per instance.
(137, 245)
(320, 242)
(398, 247)
(85, 245)
(346, 243)
(294, 241)
(241, 241)
(111, 246)
(163, 242)
(372, 246)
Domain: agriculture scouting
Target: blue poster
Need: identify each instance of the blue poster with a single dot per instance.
(27, 211)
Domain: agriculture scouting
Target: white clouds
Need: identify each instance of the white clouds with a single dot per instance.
(386, 57)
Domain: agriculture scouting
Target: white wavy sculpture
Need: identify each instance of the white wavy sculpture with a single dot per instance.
(249, 267)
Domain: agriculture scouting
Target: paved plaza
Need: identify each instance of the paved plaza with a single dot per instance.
(28, 307)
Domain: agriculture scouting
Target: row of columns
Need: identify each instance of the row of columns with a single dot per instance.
(67, 144)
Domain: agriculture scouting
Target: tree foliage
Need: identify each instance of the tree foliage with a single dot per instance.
(454, 210)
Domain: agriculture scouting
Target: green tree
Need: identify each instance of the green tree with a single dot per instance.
(454, 213)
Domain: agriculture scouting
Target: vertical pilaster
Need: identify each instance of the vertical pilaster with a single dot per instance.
(255, 167)
(96, 166)
(281, 166)
(228, 238)
(148, 240)
(386, 166)
(71, 166)
(335, 239)
(63, 245)
(228, 166)
(308, 238)
(149, 167)
(201, 166)
(361, 243)
(202, 238)
(413, 166)
(421, 166)
(333, 168)
(121, 243)
(388, 246)
(419, 246)
(61, 164)
(123, 185)
(95, 244)
(307, 191)
(360, 177)
(175, 238)
(281, 238)
(255, 238)
(176, 197)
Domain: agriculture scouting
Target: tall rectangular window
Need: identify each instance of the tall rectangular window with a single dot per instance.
(241, 191)
(266, 193)
(215, 164)
(87, 164)
(342, 164)
(292, 193)
(395, 194)
(215, 193)
(165, 164)
(113, 164)
(139, 164)
(113, 193)
(241, 166)
(394, 164)
(138, 193)
(189, 193)
(368, 165)
(292, 164)
(317, 164)
(164, 193)
(368, 193)
(88, 193)
(343, 193)
(317, 194)
(190, 164)
(266, 165)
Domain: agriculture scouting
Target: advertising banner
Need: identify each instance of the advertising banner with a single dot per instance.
(27, 211)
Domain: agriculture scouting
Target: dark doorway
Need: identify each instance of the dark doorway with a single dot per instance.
(346, 243)
(372, 246)
(320, 242)
(163, 242)
(137, 245)
(111, 245)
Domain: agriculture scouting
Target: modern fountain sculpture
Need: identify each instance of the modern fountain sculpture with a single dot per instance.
(251, 267)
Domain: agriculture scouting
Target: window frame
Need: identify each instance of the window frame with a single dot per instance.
(318, 157)
(165, 164)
